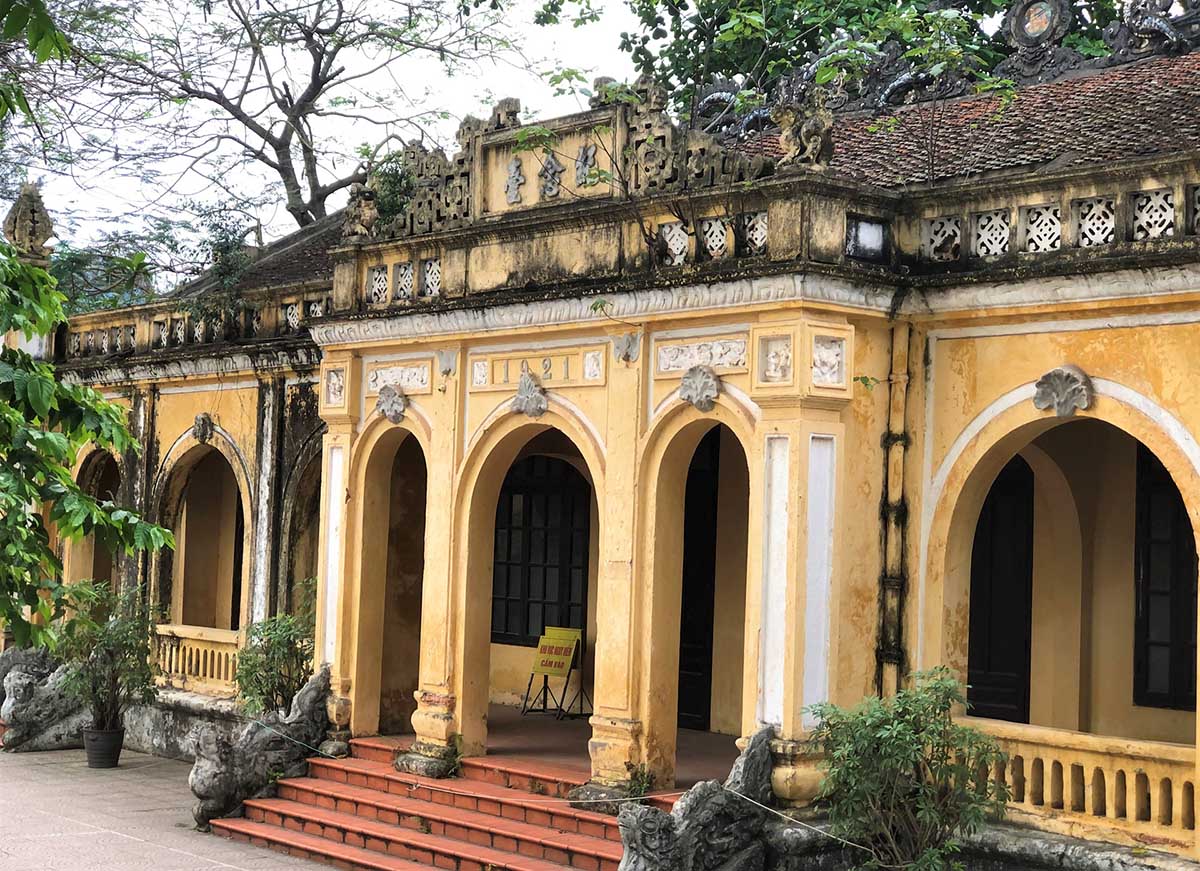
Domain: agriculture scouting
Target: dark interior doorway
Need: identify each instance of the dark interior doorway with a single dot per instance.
(540, 561)
(1002, 598)
(699, 584)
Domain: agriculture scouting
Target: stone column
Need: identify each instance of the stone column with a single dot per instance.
(801, 645)
(616, 721)
(137, 477)
(339, 382)
(267, 497)
(436, 721)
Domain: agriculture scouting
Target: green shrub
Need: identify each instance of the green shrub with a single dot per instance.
(392, 181)
(106, 643)
(277, 659)
(903, 780)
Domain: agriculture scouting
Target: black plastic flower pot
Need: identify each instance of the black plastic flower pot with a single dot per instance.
(103, 747)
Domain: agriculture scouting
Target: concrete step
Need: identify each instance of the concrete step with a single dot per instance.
(424, 848)
(312, 847)
(474, 795)
(502, 833)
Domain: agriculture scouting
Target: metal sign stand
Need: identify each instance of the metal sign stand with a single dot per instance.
(545, 696)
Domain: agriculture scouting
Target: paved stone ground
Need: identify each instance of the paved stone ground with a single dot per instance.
(57, 815)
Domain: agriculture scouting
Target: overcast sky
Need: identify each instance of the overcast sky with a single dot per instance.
(97, 197)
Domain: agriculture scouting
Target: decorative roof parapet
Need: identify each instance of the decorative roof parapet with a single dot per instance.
(664, 157)
(28, 226)
(1148, 28)
(1035, 29)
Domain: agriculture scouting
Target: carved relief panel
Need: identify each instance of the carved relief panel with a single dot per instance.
(412, 377)
(774, 347)
(722, 354)
(336, 386)
(828, 367)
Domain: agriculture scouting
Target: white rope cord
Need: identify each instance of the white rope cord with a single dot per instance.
(795, 822)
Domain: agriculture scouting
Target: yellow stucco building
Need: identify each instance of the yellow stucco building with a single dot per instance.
(767, 433)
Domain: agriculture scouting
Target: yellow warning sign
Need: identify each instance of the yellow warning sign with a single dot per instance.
(556, 651)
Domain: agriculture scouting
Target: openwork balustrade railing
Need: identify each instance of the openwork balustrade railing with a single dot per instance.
(197, 658)
(1088, 785)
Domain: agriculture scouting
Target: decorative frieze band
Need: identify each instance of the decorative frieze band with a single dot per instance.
(727, 354)
(409, 377)
(636, 304)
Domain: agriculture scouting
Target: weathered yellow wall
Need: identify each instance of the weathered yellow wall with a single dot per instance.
(1057, 632)
(858, 558)
(306, 530)
(621, 422)
(1099, 462)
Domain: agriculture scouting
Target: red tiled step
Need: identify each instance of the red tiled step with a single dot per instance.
(379, 749)
(442, 819)
(486, 798)
(438, 850)
(312, 847)
(525, 775)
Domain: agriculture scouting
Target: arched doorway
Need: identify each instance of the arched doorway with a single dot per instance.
(516, 460)
(387, 661)
(99, 477)
(208, 569)
(700, 529)
(202, 587)
(1091, 627)
(544, 560)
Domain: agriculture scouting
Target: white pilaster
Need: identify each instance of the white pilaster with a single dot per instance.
(818, 574)
(773, 644)
(335, 495)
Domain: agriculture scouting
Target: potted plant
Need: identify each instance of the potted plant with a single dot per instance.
(106, 644)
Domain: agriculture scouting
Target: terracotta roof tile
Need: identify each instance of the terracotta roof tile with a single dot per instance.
(1137, 110)
(301, 256)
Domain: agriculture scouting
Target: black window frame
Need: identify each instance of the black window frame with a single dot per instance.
(1172, 542)
(537, 491)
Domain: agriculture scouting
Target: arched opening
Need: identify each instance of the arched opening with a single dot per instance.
(515, 466)
(1083, 571)
(301, 536)
(544, 560)
(700, 540)
(100, 477)
(393, 572)
(208, 565)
